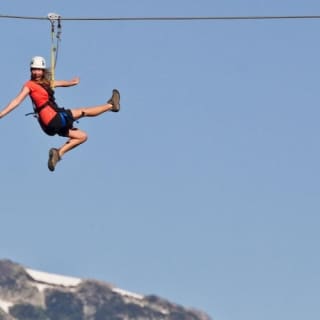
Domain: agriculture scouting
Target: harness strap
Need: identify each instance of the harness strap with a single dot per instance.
(53, 17)
(39, 109)
(36, 110)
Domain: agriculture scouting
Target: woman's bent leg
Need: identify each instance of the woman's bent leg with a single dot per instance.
(76, 137)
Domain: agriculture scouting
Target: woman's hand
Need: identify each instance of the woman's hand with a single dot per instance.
(74, 81)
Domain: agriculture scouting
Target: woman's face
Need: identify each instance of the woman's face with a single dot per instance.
(37, 74)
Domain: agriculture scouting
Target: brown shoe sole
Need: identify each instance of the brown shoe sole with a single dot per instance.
(53, 158)
(115, 100)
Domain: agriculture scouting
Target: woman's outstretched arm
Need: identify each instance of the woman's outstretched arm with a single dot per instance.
(66, 83)
(15, 102)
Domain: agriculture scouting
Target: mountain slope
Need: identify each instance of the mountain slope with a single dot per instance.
(27, 294)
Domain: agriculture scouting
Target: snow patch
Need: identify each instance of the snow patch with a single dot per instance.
(53, 279)
(128, 294)
(5, 305)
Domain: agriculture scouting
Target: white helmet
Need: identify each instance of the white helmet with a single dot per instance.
(38, 63)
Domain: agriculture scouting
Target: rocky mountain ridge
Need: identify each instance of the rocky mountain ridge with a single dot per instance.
(27, 294)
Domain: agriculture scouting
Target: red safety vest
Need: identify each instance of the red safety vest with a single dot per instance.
(43, 100)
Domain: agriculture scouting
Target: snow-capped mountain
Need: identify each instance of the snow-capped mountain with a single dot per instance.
(27, 294)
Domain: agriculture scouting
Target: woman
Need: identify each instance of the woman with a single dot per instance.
(52, 119)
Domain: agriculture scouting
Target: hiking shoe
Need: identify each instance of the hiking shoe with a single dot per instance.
(115, 100)
(53, 158)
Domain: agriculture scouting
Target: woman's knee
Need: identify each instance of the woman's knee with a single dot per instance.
(83, 136)
(78, 113)
(78, 134)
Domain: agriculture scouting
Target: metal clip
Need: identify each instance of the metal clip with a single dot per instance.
(53, 16)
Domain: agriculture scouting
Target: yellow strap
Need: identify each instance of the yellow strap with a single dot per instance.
(53, 17)
(53, 49)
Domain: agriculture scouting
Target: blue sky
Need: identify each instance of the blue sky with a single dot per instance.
(204, 189)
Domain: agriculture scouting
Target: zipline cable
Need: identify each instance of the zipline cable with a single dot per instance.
(190, 18)
(55, 18)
